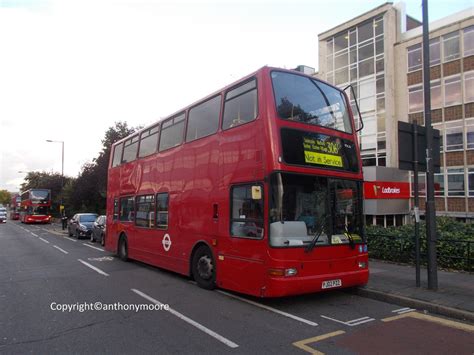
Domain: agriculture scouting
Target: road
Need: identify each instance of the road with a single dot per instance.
(43, 270)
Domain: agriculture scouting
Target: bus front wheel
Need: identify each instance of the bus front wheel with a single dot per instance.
(203, 268)
(123, 248)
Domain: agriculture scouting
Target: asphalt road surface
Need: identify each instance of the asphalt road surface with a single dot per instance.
(61, 295)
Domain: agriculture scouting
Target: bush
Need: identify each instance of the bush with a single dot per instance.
(398, 243)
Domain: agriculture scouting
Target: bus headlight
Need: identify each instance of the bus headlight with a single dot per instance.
(283, 272)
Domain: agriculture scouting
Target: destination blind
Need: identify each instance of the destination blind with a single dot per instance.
(318, 150)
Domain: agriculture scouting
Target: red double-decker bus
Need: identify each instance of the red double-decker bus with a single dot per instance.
(15, 206)
(257, 188)
(35, 206)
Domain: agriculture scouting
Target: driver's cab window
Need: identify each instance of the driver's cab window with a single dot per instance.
(247, 211)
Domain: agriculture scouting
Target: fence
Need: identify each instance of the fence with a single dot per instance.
(452, 253)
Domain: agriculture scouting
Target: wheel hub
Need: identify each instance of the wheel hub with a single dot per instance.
(205, 267)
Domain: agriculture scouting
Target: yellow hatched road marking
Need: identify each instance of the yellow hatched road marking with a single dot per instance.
(303, 344)
(442, 321)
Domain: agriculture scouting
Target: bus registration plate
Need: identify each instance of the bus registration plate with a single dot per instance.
(331, 283)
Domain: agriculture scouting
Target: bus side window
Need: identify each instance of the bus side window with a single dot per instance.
(116, 209)
(247, 211)
(162, 201)
(127, 210)
(241, 105)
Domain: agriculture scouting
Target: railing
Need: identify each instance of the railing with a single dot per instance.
(452, 253)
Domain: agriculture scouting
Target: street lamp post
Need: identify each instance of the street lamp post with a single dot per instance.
(62, 166)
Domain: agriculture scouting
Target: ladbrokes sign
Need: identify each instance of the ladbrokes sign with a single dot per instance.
(386, 190)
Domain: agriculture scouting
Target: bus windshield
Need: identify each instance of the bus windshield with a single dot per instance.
(299, 98)
(305, 207)
(39, 196)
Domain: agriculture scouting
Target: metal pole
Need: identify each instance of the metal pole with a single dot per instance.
(430, 203)
(417, 203)
(62, 175)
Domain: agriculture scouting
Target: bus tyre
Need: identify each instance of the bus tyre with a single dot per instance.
(203, 268)
(123, 249)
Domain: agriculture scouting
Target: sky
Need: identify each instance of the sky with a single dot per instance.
(70, 69)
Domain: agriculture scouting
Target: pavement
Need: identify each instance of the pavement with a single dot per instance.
(395, 283)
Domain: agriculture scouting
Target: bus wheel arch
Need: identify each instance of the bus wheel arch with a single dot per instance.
(122, 247)
(203, 266)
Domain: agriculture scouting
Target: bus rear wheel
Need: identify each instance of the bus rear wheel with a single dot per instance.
(203, 268)
(123, 249)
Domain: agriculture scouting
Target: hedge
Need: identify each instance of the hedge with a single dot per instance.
(455, 243)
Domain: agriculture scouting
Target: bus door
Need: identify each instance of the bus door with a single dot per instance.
(242, 252)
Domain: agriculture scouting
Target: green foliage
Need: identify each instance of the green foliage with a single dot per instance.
(5, 197)
(87, 193)
(398, 243)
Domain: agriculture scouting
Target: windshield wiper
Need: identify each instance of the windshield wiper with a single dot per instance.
(351, 238)
(318, 233)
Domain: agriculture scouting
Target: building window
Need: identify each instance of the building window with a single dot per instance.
(365, 31)
(470, 175)
(436, 98)
(451, 46)
(247, 211)
(469, 134)
(439, 184)
(145, 215)
(414, 57)
(240, 105)
(435, 51)
(127, 212)
(162, 201)
(203, 119)
(415, 98)
(452, 90)
(341, 42)
(455, 182)
(454, 137)
(468, 41)
(469, 86)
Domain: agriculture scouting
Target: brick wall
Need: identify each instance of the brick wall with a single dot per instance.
(454, 158)
(469, 110)
(435, 72)
(453, 113)
(436, 115)
(439, 202)
(468, 63)
(471, 204)
(451, 68)
(456, 204)
(419, 117)
(470, 158)
(415, 78)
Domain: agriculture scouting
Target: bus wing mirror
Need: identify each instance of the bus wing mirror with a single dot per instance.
(256, 192)
(357, 106)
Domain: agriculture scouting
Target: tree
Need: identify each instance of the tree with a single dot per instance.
(88, 192)
(5, 197)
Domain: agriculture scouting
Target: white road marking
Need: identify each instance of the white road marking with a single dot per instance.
(403, 310)
(351, 323)
(44, 240)
(64, 251)
(271, 309)
(90, 246)
(93, 267)
(72, 240)
(189, 321)
(34, 235)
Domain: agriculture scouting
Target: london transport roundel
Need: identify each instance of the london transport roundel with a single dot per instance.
(166, 242)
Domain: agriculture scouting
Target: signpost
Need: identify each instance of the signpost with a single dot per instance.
(412, 155)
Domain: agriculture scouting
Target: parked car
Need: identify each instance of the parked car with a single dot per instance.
(80, 225)
(98, 230)
(3, 215)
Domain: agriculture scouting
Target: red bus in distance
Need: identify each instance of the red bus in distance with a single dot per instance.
(35, 206)
(256, 188)
(15, 206)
